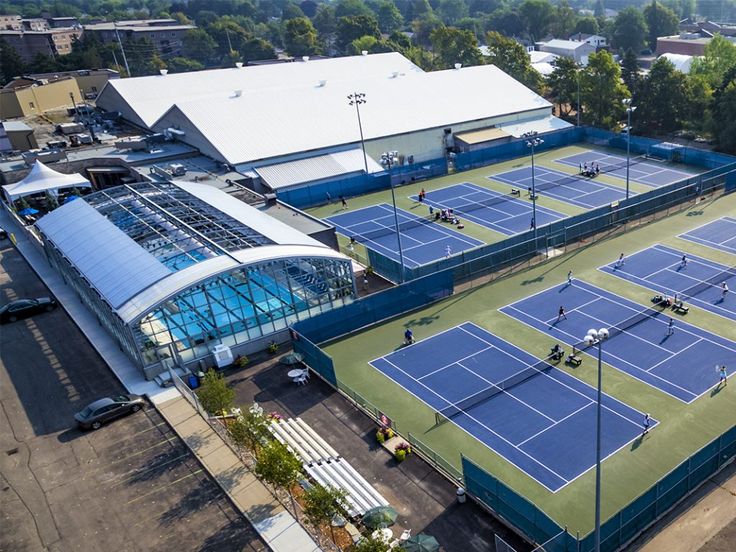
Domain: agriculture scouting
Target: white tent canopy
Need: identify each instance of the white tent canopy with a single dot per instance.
(43, 179)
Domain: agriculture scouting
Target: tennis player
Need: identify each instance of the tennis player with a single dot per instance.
(671, 326)
(569, 278)
(647, 422)
(723, 376)
(724, 290)
(683, 261)
(561, 314)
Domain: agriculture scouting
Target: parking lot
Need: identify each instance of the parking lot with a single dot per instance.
(132, 485)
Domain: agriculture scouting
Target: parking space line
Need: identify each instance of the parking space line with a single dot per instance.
(144, 450)
(158, 489)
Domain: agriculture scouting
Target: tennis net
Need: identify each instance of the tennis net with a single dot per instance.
(713, 281)
(467, 403)
(625, 325)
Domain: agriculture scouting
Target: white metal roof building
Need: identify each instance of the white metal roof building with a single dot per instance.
(172, 269)
(264, 116)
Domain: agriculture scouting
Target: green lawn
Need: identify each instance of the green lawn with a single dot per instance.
(683, 429)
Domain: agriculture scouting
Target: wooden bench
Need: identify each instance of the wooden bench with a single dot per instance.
(574, 360)
(515, 192)
(679, 308)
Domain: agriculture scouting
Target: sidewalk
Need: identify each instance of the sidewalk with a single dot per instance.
(273, 522)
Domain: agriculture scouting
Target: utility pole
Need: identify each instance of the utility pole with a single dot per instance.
(120, 42)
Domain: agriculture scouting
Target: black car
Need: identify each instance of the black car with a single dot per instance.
(23, 308)
(105, 410)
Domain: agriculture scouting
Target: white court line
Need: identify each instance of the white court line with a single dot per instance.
(675, 354)
(545, 374)
(484, 349)
(608, 352)
(488, 429)
(538, 433)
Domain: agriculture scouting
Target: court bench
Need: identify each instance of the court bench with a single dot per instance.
(679, 308)
(573, 360)
(515, 192)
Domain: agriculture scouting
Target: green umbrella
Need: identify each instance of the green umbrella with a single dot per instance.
(380, 516)
(291, 359)
(421, 543)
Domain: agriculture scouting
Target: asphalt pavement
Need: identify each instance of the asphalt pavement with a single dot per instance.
(132, 485)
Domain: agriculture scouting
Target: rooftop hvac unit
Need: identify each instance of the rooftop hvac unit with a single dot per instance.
(163, 72)
(174, 133)
(458, 65)
(237, 93)
(223, 355)
(321, 83)
(239, 64)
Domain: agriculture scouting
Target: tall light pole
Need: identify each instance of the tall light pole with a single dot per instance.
(629, 110)
(388, 160)
(120, 43)
(357, 99)
(597, 337)
(532, 142)
(577, 111)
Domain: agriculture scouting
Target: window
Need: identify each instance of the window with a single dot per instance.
(94, 89)
(31, 105)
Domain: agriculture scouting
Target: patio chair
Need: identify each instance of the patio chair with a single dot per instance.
(405, 536)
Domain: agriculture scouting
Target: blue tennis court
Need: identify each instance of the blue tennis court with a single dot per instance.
(681, 365)
(660, 269)
(543, 423)
(649, 172)
(500, 212)
(574, 189)
(422, 240)
(719, 234)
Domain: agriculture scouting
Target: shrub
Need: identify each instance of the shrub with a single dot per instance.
(241, 361)
(215, 394)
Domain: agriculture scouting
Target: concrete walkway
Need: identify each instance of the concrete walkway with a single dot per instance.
(273, 522)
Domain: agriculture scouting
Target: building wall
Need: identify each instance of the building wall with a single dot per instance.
(9, 106)
(10, 22)
(578, 54)
(55, 95)
(679, 46)
(22, 140)
(49, 43)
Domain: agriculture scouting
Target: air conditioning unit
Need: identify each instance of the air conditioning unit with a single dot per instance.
(223, 355)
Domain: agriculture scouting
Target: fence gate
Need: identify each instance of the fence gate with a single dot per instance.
(187, 393)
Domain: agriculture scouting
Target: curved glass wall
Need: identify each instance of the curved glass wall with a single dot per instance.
(238, 306)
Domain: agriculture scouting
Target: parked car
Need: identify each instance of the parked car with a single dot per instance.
(23, 308)
(105, 410)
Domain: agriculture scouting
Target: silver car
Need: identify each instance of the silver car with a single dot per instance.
(105, 410)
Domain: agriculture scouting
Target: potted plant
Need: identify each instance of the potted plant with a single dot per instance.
(273, 347)
(384, 434)
(401, 451)
(241, 361)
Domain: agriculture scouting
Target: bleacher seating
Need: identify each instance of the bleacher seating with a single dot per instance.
(326, 466)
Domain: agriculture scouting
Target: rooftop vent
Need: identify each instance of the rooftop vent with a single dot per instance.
(394, 74)
(237, 93)
(458, 65)
(239, 64)
(305, 58)
(164, 72)
(364, 52)
(322, 83)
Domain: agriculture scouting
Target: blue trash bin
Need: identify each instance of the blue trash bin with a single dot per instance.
(193, 381)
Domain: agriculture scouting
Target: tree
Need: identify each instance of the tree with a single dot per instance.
(309, 8)
(511, 57)
(719, 57)
(325, 21)
(183, 65)
(369, 544)
(563, 84)
(629, 30)
(42, 63)
(423, 27)
(563, 21)
(11, 64)
(300, 37)
(662, 99)
(250, 430)
(483, 7)
(630, 71)
(321, 504)
(587, 25)
(453, 46)
(353, 27)
(215, 394)
(602, 92)
(352, 8)
(452, 11)
(661, 21)
(198, 45)
(724, 113)
(275, 464)
(389, 17)
(291, 11)
(536, 16)
(256, 49)
(599, 12)
(506, 22)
